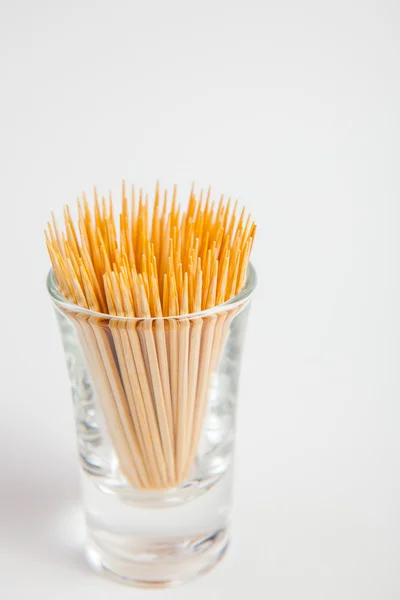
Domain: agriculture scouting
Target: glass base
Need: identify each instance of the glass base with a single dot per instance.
(156, 541)
(155, 562)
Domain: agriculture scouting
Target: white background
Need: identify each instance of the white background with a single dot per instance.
(293, 107)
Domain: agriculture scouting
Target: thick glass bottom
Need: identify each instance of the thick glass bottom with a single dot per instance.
(152, 539)
(155, 562)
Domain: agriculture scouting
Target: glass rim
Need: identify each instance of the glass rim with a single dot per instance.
(245, 293)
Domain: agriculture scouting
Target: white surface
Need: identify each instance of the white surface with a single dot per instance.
(292, 107)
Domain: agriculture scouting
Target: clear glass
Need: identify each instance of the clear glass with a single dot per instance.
(157, 484)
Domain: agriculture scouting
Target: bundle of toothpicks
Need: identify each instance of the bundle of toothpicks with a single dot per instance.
(148, 279)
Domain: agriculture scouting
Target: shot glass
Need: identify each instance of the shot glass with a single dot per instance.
(155, 402)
